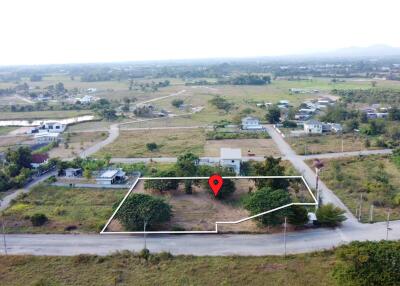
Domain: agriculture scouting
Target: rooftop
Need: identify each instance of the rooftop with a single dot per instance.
(230, 153)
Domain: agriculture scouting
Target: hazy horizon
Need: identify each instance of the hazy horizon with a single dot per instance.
(66, 32)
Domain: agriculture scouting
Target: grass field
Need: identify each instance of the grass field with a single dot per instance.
(350, 178)
(4, 130)
(258, 147)
(85, 209)
(59, 114)
(171, 143)
(329, 143)
(77, 142)
(129, 269)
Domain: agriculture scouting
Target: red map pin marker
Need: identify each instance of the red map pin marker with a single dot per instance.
(215, 182)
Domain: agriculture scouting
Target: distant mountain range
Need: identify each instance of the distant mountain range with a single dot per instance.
(371, 51)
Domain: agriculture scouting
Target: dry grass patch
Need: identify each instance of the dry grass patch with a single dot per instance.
(170, 143)
(258, 147)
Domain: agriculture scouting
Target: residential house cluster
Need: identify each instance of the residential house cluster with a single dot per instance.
(316, 127)
(312, 107)
(376, 111)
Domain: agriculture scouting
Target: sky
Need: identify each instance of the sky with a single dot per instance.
(84, 31)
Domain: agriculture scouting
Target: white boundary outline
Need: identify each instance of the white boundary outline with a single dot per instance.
(315, 203)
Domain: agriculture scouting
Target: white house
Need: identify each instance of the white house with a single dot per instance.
(231, 158)
(313, 127)
(110, 177)
(251, 123)
(46, 137)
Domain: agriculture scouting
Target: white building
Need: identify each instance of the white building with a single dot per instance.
(86, 99)
(313, 127)
(251, 123)
(110, 177)
(48, 127)
(231, 159)
(46, 137)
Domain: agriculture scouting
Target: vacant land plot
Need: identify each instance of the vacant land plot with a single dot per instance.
(327, 144)
(130, 269)
(200, 210)
(4, 130)
(60, 114)
(169, 143)
(10, 141)
(74, 143)
(371, 181)
(77, 210)
(257, 147)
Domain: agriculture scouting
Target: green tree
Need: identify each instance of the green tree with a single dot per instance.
(141, 209)
(273, 115)
(87, 173)
(368, 263)
(329, 215)
(177, 102)
(270, 167)
(163, 185)
(266, 199)
(187, 165)
(152, 146)
(21, 157)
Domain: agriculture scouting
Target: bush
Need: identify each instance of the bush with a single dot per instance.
(38, 219)
(151, 146)
(368, 263)
(177, 102)
(329, 215)
(162, 185)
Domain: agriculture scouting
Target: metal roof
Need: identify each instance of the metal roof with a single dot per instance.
(230, 153)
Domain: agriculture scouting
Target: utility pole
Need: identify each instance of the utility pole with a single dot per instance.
(144, 234)
(387, 224)
(4, 237)
(360, 206)
(284, 236)
(371, 214)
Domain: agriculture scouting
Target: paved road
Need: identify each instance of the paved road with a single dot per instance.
(327, 195)
(347, 154)
(228, 244)
(163, 97)
(113, 134)
(5, 202)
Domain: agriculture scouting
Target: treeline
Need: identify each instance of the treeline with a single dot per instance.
(370, 96)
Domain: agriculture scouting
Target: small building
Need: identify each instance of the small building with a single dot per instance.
(86, 99)
(231, 158)
(313, 127)
(39, 159)
(251, 123)
(73, 172)
(54, 127)
(41, 138)
(110, 177)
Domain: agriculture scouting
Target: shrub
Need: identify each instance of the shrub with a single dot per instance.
(177, 102)
(151, 146)
(368, 263)
(329, 215)
(38, 219)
